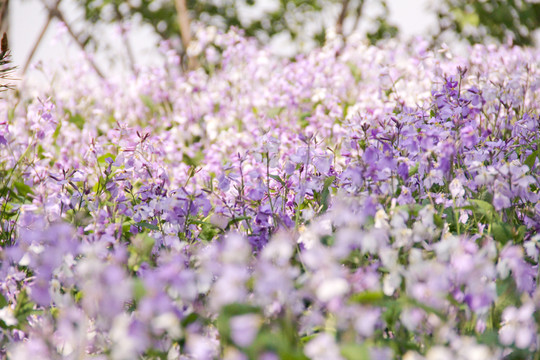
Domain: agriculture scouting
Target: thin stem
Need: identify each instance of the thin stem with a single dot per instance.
(268, 184)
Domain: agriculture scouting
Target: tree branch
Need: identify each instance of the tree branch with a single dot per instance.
(58, 14)
(39, 39)
(185, 29)
(341, 17)
(54, 12)
(358, 15)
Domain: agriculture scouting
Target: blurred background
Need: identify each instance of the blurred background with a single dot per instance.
(124, 34)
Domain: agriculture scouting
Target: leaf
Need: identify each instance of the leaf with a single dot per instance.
(328, 181)
(355, 352)
(229, 311)
(138, 289)
(235, 309)
(237, 220)
(22, 189)
(489, 337)
(57, 131)
(501, 232)
(426, 308)
(368, 297)
(325, 193)
(484, 208)
(355, 71)
(147, 225)
(193, 161)
(147, 100)
(103, 158)
(414, 170)
(77, 120)
(278, 179)
(190, 319)
(271, 113)
(24, 307)
(3, 301)
(530, 160)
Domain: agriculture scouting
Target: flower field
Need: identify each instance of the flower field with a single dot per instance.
(355, 203)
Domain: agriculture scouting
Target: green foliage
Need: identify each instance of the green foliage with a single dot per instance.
(287, 17)
(476, 21)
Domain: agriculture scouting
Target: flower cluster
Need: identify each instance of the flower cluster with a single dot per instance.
(356, 202)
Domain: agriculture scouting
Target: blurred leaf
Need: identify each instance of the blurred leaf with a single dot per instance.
(229, 311)
(24, 307)
(484, 208)
(138, 289)
(355, 352)
(103, 158)
(77, 120)
(368, 297)
(501, 232)
(278, 179)
(3, 301)
(147, 225)
(23, 190)
(531, 159)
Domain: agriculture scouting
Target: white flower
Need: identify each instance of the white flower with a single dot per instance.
(332, 288)
(7, 316)
(456, 189)
(439, 353)
(167, 322)
(323, 347)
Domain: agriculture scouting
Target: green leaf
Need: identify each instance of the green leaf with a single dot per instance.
(229, 311)
(190, 319)
(193, 161)
(328, 181)
(368, 297)
(24, 307)
(489, 337)
(531, 159)
(3, 301)
(22, 189)
(147, 225)
(278, 179)
(355, 71)
(501, 232)
(77, 120)
(138, 289)
(325, 194)
(484, 208)
(237, 220)
(271, 113)
(147, 100)
(355, 351)
(57, 131)
(102, 159)
(414, 170)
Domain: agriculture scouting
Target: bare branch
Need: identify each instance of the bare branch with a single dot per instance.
(341, 17)
(54, 12)
(185, 29)
(4, 16)
(58, 14)
(39, 39)
(358, 15)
